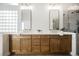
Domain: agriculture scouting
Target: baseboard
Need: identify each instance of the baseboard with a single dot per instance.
(0, 54)
(6, 54)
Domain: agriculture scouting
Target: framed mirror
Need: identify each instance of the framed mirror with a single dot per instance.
(54, 19)
(26, 17)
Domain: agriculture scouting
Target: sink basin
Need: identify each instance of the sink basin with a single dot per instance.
(56, 32)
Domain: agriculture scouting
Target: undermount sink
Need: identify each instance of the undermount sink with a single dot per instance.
(42, 32)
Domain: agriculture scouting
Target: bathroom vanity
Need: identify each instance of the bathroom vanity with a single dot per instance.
(41, 43)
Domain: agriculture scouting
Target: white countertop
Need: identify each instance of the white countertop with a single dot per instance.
(43, 33)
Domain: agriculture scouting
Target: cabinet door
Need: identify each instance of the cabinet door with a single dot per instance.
(65, 44)
(25, 45)
(44, 44)
(15, 45)
(54, 44)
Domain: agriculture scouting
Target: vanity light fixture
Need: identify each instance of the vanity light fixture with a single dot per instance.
(23, 26)
(54, 7)
(16, 4)
(75, 7)
(26, 7)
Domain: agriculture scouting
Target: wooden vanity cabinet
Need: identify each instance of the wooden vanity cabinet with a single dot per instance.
(60, 44)
(41, 44)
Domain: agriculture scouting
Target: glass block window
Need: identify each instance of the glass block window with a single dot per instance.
(8, 21)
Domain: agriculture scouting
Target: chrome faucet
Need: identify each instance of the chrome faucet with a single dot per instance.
(39, 30)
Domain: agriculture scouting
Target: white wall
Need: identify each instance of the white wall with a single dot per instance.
(40, 17)
(1, 45)
(4, 45)
(61, 18)
(74, 39)
(71, 19)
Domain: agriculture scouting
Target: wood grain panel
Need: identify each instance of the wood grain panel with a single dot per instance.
(25, 45)
(54, 45)
(44, 41)
(36, 44)
(35, 49)
(54, 36)
(26, 36)
(65, 45)
(35, 41)
(35, 36)
(44, 36)
(15, 45)
(65, 37)
(45, 49)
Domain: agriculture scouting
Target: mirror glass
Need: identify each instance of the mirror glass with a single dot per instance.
(26, 17)
(54, 19)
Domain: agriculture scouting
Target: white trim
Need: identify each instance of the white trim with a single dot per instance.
(73, 53)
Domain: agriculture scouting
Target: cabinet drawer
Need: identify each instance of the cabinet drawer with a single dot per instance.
(25, 36)
(26, 41)
(45, 49)
(35, 36)
(34, 40)
(65, 36)
(15, 36)
(44, 36)
(44, 44)
(54, 36)
(36, 44)
(26, 48)
(21, 36)
(35, 48)
(44, 41)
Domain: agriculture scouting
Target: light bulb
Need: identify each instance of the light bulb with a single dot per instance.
(54, 7)
(26, 7)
